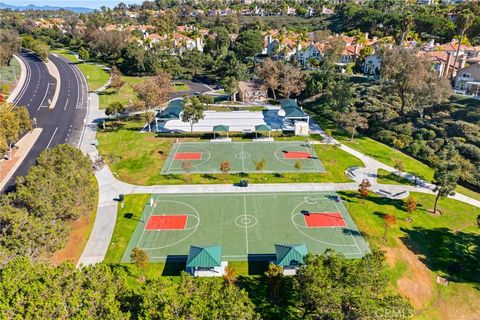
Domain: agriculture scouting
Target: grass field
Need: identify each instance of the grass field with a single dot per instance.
(9, 76)
(96, 75)
(126, 95)
(280, 157)
(415, 252)
(138, 158)
(388, 155)
(245, 225)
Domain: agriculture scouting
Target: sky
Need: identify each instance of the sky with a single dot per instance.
(70, 3)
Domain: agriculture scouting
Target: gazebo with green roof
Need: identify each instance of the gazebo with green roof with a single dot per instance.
(290, 256)
(262, 128)
(205, 257)
(220, 128)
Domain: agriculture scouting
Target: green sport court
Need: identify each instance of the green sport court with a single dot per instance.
(246, 225)
(280, 157)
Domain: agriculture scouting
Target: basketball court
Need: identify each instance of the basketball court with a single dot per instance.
(245, 224)
(280, 157)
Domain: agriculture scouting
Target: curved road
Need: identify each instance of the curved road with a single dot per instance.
(62, 124)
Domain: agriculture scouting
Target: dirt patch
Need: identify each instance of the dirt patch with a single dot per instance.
(79, 232)
(417, 284)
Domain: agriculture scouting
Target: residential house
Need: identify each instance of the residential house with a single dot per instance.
(467, 80)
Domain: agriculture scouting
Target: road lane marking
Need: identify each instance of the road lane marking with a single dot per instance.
(46, 92)
(65, 108)
(53, 135)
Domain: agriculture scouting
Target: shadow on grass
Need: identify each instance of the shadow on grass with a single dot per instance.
(258, 263)
(174, 265)
(453, 254)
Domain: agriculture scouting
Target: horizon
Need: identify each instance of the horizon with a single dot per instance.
(91, 4)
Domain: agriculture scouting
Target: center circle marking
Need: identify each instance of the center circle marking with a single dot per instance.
(246, 221)
(243, 155)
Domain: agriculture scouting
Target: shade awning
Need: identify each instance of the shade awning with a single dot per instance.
(221, 128)
(208, 256)
(262, 128)
(290, 254)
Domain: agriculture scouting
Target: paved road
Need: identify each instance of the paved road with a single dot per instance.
(63, 123)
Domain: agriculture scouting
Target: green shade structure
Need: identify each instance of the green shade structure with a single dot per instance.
(289, 255)
(220, 128)
(208, 256)
(262, 128)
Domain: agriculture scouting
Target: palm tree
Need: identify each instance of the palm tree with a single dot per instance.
(361, 40)
(465, 20)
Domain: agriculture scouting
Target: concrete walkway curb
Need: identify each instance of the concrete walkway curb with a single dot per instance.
(24, 145)
(52, 69)
(23, 76)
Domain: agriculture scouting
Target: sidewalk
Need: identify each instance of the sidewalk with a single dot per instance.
(23, 146)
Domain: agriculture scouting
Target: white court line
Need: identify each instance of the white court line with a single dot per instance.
(245, 215)
(143, 231)
(243, 160)
(173, 157)
(311, 152)
(349, 230)
(53, 135)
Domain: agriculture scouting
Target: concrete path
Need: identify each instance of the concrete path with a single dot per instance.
(110, 188)
(21, 81)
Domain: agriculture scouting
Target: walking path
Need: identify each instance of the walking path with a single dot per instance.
(20, 82)
(110, 188)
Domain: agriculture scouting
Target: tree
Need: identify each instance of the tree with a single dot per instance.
(298, 166)
(61, 292)
(399, 166)
(411, 79)
(329, 286)
(187, 167)
(225, 166)
(269, 74)
(14, 122)
(364, 189)
(116, 80)
(25, 235)
(188, 298)
(351, 121)
(445, 179)
(274, 276)
(114, 108)
(388, 221)
(139, 257)
(11, 44)
(230, 275)
(411, 207)
(248, 44)
(83, 54)
(192, 111)
(60, 186)
(291, 80)
(153, 92)
(259, 165)
(465, 20)
(230, 85)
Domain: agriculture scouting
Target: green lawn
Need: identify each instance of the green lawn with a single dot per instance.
(388, 155)
(9, 76)
(386, 177)
(126, 94)
(441, 243)
(96, 75)
(138, 158)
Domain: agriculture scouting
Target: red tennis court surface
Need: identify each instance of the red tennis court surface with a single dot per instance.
(172, 222)
(324, 219)
(188, 156)
(296, 155)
